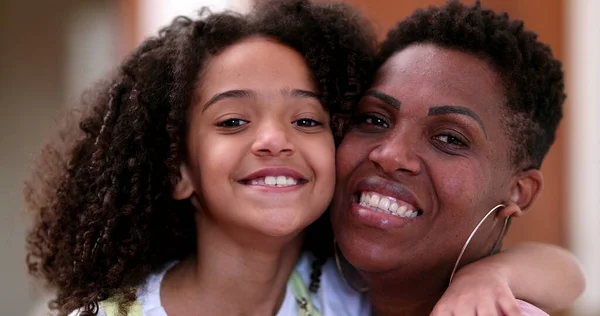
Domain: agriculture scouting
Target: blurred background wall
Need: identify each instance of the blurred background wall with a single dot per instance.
(51, 51)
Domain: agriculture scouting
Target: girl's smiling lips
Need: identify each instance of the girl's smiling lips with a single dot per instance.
(274, 172)
(384, 204)
(274, 180)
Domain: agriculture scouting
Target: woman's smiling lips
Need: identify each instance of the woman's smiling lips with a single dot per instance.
(380, 203)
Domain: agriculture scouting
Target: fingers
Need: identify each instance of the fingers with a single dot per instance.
(469, 306)
(509, 307)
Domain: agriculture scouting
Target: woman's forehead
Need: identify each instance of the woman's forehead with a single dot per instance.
(429, 73)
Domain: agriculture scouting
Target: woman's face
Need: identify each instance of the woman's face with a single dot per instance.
(261, 156)
(424, 161)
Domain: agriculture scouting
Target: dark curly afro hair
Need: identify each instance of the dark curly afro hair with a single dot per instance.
(532, 77)
(101, 193)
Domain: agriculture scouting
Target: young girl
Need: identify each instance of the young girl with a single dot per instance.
(207, 155)
(199, 167)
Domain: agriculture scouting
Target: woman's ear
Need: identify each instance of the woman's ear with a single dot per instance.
(510, 210)
(523, 193)
(184, 187)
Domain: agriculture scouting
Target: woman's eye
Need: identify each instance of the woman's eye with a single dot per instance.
(306, 122)
(371, 119)
(230, 123)
(450, 139)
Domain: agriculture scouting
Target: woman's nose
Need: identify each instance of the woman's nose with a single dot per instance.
(397, 153)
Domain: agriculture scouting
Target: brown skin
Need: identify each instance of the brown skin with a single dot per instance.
(249, 236)
(452, 167)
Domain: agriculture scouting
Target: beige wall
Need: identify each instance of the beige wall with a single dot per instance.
(43, 65)
(28, 78)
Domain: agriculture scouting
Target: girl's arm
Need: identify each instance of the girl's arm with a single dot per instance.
(544, 275)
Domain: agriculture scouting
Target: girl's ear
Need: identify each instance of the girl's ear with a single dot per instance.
(184, 187)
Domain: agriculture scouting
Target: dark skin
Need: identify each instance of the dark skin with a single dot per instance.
(428, 134)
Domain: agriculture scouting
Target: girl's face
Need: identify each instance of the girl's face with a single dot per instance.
(426, 159)
(260, 152)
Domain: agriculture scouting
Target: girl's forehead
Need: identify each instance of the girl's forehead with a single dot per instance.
(259, 64)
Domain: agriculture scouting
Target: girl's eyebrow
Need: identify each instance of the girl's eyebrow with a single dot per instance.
(299, 93)
(230, 94)
(241, 94)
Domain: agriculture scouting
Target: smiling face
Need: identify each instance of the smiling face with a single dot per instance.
(260, 149)
(424, 161)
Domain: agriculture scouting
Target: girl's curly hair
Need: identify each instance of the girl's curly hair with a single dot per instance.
(101, 194)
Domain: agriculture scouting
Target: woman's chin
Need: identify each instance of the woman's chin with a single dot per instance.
(369, 257)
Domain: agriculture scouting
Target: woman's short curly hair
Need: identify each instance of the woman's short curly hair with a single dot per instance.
(105, 218)
(532, 77)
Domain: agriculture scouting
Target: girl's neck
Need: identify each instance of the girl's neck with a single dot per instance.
(415, 294)
(231, 274)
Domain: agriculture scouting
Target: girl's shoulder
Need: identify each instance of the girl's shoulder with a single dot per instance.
(77, 312)
(148, 298)
(528, 309)
(334, 296)
(110, 308)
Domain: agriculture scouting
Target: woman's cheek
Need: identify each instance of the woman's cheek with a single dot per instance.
(459, 184)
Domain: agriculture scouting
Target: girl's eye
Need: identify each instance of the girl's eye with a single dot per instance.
(230, 123)
(306, 122)
(450, 139)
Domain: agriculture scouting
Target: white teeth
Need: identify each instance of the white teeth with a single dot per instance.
(386, 205)
(402, 210)
(274, 181)
(281, 180)
(270, 180)
(374, 201)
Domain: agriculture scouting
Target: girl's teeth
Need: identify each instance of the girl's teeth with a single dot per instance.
(281, 180)
(386, 205)
(274, 181)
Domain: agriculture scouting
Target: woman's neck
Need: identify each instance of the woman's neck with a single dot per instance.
(231, 274)
(415, 294)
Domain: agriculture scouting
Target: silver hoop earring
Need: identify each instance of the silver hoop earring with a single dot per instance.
(462, 252)
(341, 271)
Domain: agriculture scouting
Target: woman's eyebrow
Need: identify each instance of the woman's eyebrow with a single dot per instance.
(230, 94)
(456, 109)
(385, 98)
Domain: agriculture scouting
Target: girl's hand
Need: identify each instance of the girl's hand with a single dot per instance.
(478, 290)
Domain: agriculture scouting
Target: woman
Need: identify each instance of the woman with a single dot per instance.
(455, 126)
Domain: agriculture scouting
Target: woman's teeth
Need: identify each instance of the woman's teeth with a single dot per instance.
(275, 181)
(388, 205)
